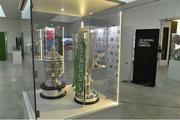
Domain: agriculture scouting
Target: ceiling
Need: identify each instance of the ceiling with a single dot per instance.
(38, 16)
(50, 9)
(78, 8)
(10, 8)
(65, 18)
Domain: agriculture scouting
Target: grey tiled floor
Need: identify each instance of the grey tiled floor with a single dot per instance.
(137, 101)
(14, 79)
(11, 81)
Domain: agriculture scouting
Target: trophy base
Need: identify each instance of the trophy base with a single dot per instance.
(53, 92)
(99, 66)
(92, 99)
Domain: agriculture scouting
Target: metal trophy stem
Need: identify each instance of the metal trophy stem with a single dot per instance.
(84, 43)
(53, 88)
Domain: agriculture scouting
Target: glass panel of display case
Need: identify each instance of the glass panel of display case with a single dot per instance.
(77, 66)
(175, 47)
(25, 45)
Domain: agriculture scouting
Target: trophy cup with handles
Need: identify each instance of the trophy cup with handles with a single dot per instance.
(52, 88)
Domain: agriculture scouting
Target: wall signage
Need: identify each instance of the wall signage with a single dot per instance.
(145, 42)
(145, 59)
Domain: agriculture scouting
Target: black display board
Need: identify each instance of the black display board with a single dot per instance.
(145, 59)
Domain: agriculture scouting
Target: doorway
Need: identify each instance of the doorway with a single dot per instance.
(174, 51)
(168, 27)
(3, 41)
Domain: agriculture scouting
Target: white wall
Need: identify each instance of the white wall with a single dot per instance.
(73, 27)
(127, 53)
(12, 27)
(148, 16)
(25, 14)
(99, 20)
(26, 30)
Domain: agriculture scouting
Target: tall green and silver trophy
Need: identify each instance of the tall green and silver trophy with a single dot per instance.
(84, 43)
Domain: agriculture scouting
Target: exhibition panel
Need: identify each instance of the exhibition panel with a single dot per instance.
(77, 61)
(146, 45)
(101, 46)
(108, 63)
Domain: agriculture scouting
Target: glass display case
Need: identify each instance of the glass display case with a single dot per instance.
(174, 62)
(82, 82)
(175, 47)
(26, 45)
(76, 62)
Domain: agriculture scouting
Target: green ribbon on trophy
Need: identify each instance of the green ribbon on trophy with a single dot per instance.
(84, 44)
(79, 67)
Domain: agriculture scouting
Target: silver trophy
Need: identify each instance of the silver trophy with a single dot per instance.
(84, 43)
(53, 88)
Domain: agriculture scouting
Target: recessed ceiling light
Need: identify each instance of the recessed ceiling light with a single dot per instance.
(62, 9)
(127, 1)
(2, 12)
(91, 13)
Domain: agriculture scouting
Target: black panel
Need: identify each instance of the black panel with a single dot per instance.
(18, 44)
(22, 45)
(165, 43)
(145, 60)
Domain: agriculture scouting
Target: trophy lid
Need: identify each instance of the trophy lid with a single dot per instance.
(53, 55)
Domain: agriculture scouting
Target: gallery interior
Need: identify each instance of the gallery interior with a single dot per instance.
(89, 59)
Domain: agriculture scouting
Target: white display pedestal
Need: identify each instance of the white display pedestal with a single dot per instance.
(17, 57)
(174, 69)
(66, 108)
